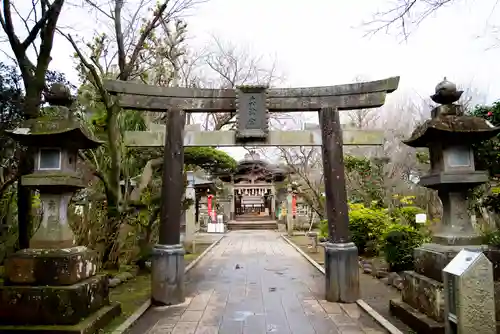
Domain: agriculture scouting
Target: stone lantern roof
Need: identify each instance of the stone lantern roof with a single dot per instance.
(60, 129)
(452, 128)
(55, 132)
(448, 124)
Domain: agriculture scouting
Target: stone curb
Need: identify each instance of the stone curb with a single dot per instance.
(371, 312)
(202, 255)
(144, 307)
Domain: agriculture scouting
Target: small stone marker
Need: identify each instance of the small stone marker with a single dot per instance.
(469, 294)
(313, 236)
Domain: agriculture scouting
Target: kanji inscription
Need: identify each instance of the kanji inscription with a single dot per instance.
(252, 113)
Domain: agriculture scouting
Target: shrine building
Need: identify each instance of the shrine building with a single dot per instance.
(253, 188)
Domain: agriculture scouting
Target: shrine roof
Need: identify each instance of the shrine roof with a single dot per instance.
(254, 166)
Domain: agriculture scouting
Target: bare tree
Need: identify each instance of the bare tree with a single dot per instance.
(128, 44)
(405, 16)
(229, 66)
(40, 25)
(306, 170)
(362, 118)
(472, 97)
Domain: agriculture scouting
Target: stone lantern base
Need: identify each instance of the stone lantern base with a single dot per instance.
(422, 304)
(54, 291)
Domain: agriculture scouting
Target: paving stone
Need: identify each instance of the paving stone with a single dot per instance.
(212, 316)
(207, 329)
(191, 316)
(351, 330)
(352, 310)
(200, 302)
(255, 323)
(185, 328)
(253, 282)
(331, 308)
(341, 320)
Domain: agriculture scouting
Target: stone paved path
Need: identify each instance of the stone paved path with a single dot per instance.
(253, 282)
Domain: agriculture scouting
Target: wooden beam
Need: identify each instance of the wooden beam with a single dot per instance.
(276, 138)
(275, 104)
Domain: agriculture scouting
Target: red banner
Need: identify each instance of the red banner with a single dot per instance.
(294, 205)
(211, 212)
(209, 204)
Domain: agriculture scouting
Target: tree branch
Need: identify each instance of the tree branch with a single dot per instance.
(47, 38)
(127, 69)
(405, 12)
(122, 61)
(9, 182)
(8, 27)
(33, 32)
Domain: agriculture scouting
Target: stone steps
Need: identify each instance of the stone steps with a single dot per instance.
(252, 218)
(252, 225)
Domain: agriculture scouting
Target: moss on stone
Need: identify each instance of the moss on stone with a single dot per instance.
(444, 128)
(35, 132)
(53, 178)
(49, 305)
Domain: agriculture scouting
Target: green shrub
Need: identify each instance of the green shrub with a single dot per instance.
(367, 226)
(406, 214)
(323, 228)
(492, 238)
(398, 245)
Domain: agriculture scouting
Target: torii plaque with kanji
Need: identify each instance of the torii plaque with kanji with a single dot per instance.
(252, 113)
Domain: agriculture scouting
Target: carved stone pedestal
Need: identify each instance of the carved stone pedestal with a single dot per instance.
(54, 291)
(342, 273)
(167, 275)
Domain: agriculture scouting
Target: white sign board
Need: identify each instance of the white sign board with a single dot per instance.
(420, 218)
(461, 262)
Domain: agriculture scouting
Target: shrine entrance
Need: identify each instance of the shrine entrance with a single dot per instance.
(251, 106)
(253, 188)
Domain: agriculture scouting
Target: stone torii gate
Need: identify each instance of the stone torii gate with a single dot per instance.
(252, 105)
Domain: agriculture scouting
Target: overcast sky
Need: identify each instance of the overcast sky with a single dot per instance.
(321, 42)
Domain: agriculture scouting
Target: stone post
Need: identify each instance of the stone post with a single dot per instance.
(167, 276)
(273, 201)
(341, 255)
(289, 213)
(231, 200)
(190, 214)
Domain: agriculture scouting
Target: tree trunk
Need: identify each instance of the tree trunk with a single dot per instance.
(144, 242)
(111, 239)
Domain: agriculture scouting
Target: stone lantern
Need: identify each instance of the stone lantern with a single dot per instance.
(54, 283)
(449, 136)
